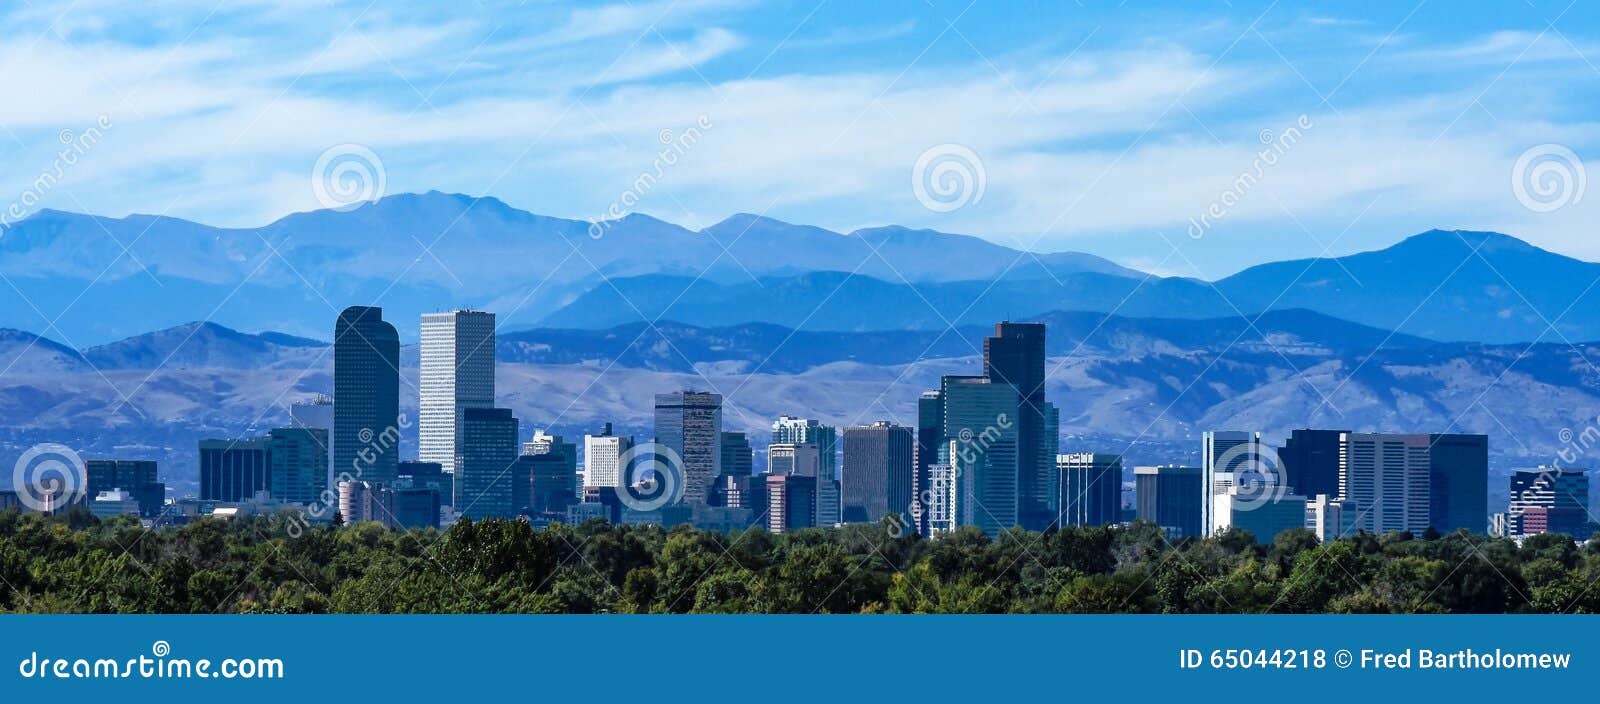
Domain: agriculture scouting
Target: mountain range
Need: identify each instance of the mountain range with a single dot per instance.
(91, 280)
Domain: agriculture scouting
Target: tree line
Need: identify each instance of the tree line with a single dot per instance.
(75, 563)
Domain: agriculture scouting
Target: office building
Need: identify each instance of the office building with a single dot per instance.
(426, 475)
(297, 460)
(1549, 500)
(317, 414)
(1458, 477)
(602, 457)
(233, 470)
(1225, 457)
(366, 393)
(545, 484)
(136, 477)
(738, 459)
(1311, 461)
(800, 459)
(930, 435)
(801, 431)
(1330, 518)
(1264, 515)
(1388, 477)
(791, 502)
(878, 476)
(939, 501)
(1015, 356)
(409, 507)
(981, 430)
(455, 372)
(690, 423)
(484, 474)
(1171, 497)
(828, 505)
(1090, 486)
(113, 503)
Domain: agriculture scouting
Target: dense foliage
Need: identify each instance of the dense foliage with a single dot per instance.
(78, 564)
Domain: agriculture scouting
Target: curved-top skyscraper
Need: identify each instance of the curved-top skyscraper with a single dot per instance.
(366, 396)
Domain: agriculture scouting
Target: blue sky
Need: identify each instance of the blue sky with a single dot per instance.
(1101, 126)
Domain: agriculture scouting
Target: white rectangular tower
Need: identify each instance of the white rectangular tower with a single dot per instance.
(456, 373)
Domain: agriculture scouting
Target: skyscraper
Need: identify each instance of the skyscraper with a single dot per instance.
(938, 501)
(796, 431)
(1091, 489)
(1458, 469)
(485, 475)
(317, 414)
(366, 393)
(297, 461)
(930, 436)
(1311, 461)
(1224, 456)
(878, 474)
(1388, 477)
(690, 422)
(737, 458)
(602, 457)
(1171, 497)
(1015, 356)
(455, 372)
(981, 428)
(800, 459)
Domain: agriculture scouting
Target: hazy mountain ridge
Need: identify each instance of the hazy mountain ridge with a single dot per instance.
(414, 253)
